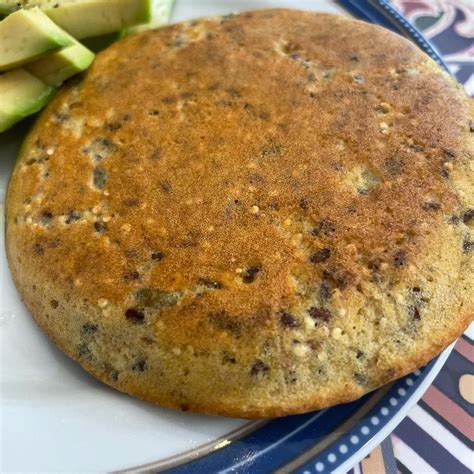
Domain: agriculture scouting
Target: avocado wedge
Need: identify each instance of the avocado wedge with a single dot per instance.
(160, 14)
(54, 68)
(21, 94)
(86, 18)
(26, 35)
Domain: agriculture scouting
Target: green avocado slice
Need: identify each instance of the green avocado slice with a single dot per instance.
(26, 35)
(86, 18)
(160, 14)
(21, 94)
(54, 68)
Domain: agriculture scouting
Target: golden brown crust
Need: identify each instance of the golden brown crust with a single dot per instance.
(250, 216)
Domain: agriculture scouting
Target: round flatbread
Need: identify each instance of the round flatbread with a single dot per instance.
(252, 215)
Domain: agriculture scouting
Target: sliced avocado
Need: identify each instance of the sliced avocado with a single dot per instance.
(160, 15)
(21, 94)
(86, 18)
(54, 68)
(26, 35)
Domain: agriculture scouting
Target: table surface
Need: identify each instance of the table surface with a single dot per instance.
(438, 433)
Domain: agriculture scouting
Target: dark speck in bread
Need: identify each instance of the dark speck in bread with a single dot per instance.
(72, 216)
(467, 245)
(100, 227)
(399, 258)
(250, 273)
(157, 256)
(135, 316)
(321, 255)
(89, 328)
(99, 178)
(321, 314)
(259, 368)
(139, 365)
(468, 216)
(287, 320)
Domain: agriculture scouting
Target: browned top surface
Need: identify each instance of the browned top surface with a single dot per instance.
(241, 167)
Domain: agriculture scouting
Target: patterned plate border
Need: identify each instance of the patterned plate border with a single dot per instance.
(357, 443)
